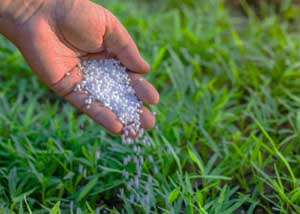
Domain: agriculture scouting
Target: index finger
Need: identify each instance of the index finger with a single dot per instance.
(118, 41)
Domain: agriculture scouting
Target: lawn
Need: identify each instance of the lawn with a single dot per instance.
(227, 138)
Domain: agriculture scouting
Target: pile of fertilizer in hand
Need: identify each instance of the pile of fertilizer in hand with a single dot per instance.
(106, 81)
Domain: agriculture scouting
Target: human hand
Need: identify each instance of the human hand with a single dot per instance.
(55, 35)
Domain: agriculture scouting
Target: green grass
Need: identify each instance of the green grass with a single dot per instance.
(228, 133)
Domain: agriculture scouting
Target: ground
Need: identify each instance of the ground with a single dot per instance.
(227, 138)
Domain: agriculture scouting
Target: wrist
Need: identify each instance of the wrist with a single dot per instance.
(19, 11)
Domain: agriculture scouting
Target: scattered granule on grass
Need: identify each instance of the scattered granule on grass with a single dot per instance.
(106, 81)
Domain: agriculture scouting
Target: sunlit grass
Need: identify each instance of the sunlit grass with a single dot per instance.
(228, 131)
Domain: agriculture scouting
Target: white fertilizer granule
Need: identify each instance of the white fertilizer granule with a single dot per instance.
(107, 82)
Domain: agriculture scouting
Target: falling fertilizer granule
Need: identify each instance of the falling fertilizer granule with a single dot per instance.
(107, 82)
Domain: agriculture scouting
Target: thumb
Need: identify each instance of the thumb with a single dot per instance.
(118, 42)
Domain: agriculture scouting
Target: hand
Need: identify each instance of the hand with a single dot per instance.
(61, 33)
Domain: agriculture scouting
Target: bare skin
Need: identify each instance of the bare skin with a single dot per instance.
(55, 35)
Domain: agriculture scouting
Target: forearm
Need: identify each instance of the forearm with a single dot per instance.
(15, 13)
(19, 11)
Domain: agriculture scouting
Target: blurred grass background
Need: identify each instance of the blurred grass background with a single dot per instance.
(228, 131)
